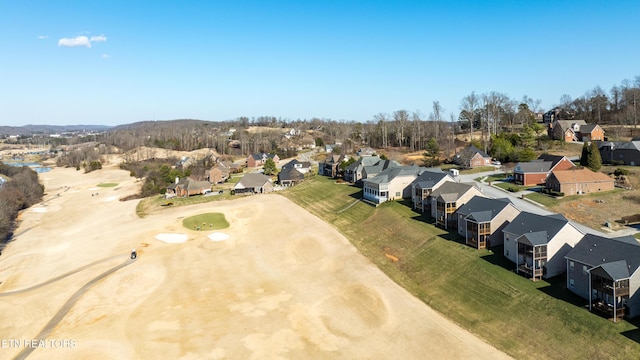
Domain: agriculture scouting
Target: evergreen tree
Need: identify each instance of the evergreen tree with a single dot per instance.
(269, 167)
(584, 158)
(432, 149)
(595, 160)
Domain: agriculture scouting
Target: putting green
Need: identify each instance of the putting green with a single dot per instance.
(205, 222)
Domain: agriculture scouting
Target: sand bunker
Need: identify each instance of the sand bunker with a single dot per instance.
(111, 198)
(217, 236)
(172, 238)
(39, 209)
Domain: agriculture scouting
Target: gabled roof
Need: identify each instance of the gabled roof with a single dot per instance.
(583, 175)
(588, 128)
(480, 216)
(594, 250)
(428, 179)
(292, 164)
(527, 222)
(391, 173)
(190, 184)
(381, 165)
(535, 166)
(555, 159)
(259, 156)
(479, 207)
(566, 124)
(534, 238)
(364, 161)
(617, 270)
(253, 180)
(465, 155)
(451, 191)
(290, 173)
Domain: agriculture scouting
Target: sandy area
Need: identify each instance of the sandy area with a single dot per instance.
(282, 285)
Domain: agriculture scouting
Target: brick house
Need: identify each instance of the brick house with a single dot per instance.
(537, 171)
(579, 181)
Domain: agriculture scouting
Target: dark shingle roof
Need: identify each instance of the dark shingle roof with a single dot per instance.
(527, 222)
(391, 173)
(429, 178)
(536, 166)
(451, 191)
(253, 180)
(594, 250)
(534, 238)
(616, 270)
(465, 155)
(290, 173)
(478, 207)
(587, 128)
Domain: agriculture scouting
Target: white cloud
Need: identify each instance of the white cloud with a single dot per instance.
(105, 56)
(100, 38)
(75, 42)
(79, 41)
(43, 37)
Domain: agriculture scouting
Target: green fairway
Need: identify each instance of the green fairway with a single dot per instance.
(107, 185)
(205, 222)
(477, 289)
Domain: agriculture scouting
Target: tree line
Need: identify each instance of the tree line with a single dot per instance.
(21, 191)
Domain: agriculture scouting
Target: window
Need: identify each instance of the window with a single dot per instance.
(398, 193)
(507, 253)
(584, 269)
(571, 283)
(571, 265)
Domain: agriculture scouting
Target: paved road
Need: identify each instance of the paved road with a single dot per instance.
(529, 206)
(55, 320)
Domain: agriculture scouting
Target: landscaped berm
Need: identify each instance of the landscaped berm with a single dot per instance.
(204, 222)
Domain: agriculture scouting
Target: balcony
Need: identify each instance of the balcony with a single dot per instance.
(607, 309)
(530, 272)
(609, 288)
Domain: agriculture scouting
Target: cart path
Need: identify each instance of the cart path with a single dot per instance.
(55, 320)
(58, 278)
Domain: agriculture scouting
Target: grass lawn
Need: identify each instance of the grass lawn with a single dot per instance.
(477, 289)
(546, 200)
(511, 187)
(107, 185)
(152, 204)
(208, 221)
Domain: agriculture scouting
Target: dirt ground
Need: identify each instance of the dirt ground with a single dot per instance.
(284, 285)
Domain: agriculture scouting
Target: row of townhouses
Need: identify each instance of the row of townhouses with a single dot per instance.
(601, 270)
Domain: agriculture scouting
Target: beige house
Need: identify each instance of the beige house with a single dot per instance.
(219, 173)
(481, 220)
(537, 244)
(448, 198)
(391, 184)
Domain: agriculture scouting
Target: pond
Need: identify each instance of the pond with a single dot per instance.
(37, 167)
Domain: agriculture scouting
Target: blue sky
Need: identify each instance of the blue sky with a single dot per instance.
(117, 62)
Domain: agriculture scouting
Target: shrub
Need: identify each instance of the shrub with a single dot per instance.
(620, 171)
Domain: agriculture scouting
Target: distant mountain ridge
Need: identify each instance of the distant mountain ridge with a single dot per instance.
(49, 129)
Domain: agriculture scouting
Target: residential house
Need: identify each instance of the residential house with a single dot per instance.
(481, 220)
(447, 198)
(537, 171)
(471, 156)
(579, 181)
(622, 153)
(253, 183)
(391, 184)
(575, 130)
(368, 151)
(186, 187)
(290, 176)
(302, 166)
(605, 272)
(236, 168)
(371, 171)
(219, 173)
(353, 172)
(331, 165)
(424, 185)
(258, 159)
(537, 244)
(591, 132)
